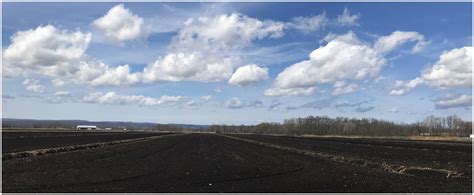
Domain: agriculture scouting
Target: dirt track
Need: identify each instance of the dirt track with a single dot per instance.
(212, 163)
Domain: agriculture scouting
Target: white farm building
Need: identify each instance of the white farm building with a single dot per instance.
(86, 127)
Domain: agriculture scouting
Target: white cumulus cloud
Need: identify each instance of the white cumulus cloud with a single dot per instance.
(397, 38)
(195, 66)
(96, 73)
(114, 98)
(225, 31)
(346, 19)
(202, 49)
(44, 50)
(452, 70)
(60, 54)
(33, 85)
(120, 24)
(403, 87)
(342, 87)
(248, 74)
(345, 57)
(308, 24)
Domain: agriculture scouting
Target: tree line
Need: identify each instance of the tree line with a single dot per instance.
(323, 125)
(312, 125)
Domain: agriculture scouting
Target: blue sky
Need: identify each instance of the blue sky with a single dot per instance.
(236, 63)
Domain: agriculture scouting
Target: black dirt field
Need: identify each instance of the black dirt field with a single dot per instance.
(246, 163)
(21, 141)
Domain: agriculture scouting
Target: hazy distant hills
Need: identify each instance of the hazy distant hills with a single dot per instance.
(32, 123)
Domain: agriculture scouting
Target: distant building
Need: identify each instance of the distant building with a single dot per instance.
(86, 127)
(108, 128)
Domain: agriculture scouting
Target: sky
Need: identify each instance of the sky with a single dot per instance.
(236, 63)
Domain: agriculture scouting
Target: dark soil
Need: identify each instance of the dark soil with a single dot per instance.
(23, 141)
(422, 154)
(212, 163)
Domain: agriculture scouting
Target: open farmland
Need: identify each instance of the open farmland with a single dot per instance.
(241, 163)
(22, 141)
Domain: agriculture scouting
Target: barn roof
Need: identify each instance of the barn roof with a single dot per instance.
(86, 126)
